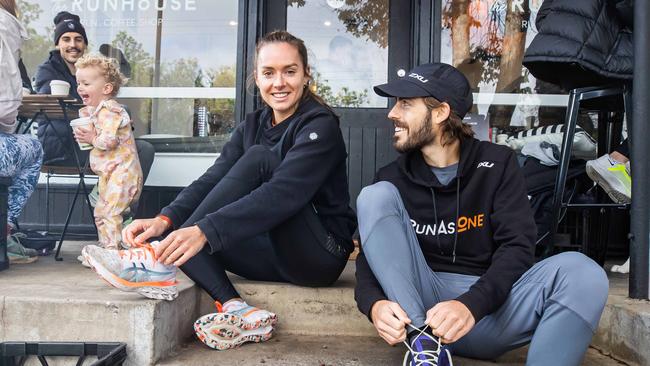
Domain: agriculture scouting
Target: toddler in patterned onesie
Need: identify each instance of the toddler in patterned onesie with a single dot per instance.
(114, 157)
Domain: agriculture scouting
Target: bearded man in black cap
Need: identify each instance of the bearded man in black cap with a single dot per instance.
(447, 237)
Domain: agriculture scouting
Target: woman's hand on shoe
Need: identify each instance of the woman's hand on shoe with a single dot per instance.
(180, 245)
(450, 320)
(390, 321)
(140, 230)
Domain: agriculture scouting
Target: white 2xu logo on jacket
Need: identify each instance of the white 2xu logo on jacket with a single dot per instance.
(485, 164)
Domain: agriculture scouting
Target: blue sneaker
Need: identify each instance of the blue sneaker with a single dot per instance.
(426, 350)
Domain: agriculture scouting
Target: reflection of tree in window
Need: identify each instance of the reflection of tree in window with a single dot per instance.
(345, 97)
(363, 19)
(176, 114)
(488, 43)
(222, 111)
(36, 48)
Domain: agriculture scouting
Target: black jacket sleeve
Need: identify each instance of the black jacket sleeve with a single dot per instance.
(44, 74)
(317, 149)
(514, 234)
(190, 197)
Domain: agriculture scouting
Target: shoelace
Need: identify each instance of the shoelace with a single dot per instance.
(139, 253)
(430, 356)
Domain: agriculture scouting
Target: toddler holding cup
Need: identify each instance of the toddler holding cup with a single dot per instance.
(113, 157)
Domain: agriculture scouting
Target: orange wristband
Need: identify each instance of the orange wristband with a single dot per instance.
(166, 219)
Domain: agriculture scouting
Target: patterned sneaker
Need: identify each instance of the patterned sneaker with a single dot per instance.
(134, 270)
(235, 324)
(611, 176)
(426, 350)
(17, 253)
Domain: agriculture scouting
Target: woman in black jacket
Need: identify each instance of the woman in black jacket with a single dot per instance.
(273, 207)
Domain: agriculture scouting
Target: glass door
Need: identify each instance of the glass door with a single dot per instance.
(354, 45)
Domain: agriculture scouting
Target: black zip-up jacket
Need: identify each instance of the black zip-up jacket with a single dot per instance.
(482, 219)
(56, 136)
(313, 170)
(582, 43)
(54, 68)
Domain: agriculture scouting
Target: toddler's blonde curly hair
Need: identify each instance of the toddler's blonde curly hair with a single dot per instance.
(108, 68)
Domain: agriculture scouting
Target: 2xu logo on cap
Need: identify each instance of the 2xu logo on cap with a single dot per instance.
(418, 76)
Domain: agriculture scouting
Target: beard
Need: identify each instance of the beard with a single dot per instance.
(421, 137)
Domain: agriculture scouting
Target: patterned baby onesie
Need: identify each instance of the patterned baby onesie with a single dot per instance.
(114, 159)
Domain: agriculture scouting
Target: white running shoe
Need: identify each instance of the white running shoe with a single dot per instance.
(612, 176)
(134, 270)
(623, 268)
(237, 324)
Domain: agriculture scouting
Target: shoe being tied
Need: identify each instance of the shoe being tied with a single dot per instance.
(234, 325)
(134, 270)
(425, 349)
(613, 177)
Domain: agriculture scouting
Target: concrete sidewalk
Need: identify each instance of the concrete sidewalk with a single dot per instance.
(63, 301)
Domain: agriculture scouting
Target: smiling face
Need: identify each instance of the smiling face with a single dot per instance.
(92, 86)
(413, 125)
(281, 77)
(71, 46)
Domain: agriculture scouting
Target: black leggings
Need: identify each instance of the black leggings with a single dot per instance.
(624, 149)
(292, 252)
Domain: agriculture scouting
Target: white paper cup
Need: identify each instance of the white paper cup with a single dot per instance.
(59, 87)
(80, 123)
(501, 138)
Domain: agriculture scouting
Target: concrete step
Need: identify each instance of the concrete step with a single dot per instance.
(287, 349)
(63, 301)
(303, 310)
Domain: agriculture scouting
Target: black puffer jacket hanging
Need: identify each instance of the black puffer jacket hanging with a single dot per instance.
(580, 43)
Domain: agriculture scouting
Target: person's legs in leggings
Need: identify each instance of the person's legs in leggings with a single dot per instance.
(298, 245)
(392, 250)
(559, 299)
(294, 254)
(20, 159)
(207, 270)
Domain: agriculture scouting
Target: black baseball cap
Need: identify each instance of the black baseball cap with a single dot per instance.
(441, 81)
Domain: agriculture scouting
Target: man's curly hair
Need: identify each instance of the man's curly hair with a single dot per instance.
(108, 68)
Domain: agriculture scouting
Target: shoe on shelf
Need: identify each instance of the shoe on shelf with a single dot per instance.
(425, 349)
(134, 270)
(623, 268)
(17, 253)
(235, 324)
(612, 176)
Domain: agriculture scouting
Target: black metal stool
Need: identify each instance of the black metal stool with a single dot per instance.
(600, 98)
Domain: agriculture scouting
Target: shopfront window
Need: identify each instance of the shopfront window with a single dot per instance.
(486, 40)
(348, 48)
(182, 55)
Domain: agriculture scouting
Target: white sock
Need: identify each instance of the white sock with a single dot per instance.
(234, 306)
